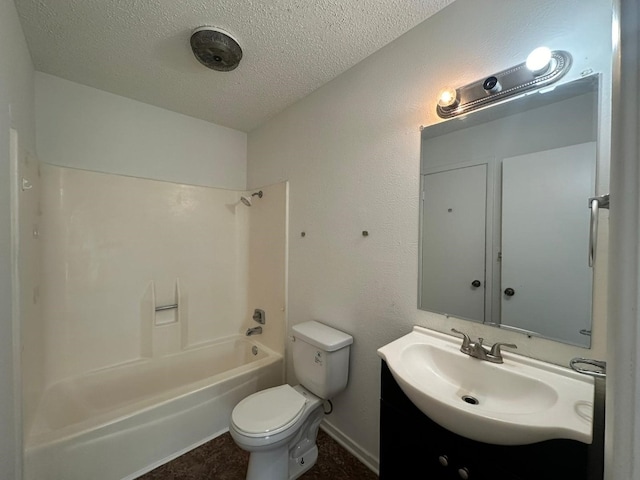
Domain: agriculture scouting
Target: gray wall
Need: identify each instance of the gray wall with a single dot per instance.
(16, 111)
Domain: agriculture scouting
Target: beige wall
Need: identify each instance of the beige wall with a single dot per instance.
(351, 154)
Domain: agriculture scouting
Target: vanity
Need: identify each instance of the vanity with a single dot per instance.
(512, 186)
(411, 442)
(520, 420)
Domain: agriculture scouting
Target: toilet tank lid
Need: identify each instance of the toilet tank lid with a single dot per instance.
(322, 336)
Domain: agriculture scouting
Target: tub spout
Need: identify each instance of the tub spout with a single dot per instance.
(254, 331)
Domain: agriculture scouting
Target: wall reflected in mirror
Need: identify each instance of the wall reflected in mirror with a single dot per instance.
(504, 214)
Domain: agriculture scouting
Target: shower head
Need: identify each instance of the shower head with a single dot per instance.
(247, 200)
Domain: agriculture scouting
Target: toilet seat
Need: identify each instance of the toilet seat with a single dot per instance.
(268, 412)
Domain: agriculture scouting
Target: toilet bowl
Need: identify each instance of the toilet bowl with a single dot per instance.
(279, 425)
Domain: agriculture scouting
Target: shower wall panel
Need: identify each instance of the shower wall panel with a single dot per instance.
(266, 263)
(115, 247)
(28, 217)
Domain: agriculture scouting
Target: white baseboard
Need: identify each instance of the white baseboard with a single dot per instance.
(365, 457)
(173, 456)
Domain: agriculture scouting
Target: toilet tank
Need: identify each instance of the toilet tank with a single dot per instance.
(321, 358)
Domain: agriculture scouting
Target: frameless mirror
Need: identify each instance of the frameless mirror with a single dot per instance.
(504, 214)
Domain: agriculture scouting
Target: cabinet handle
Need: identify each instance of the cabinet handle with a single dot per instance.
(509, 292)
(444, 460)
(463, 473)
(476, 283)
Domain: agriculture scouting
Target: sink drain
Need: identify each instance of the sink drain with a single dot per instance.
(470, 400)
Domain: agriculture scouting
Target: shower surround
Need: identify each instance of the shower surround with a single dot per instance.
(116, 248)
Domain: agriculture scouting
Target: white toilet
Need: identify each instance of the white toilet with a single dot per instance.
(279, 425)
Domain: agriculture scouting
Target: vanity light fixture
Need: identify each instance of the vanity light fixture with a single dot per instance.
(543, 67)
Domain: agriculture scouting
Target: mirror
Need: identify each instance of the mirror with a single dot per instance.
(504, 213)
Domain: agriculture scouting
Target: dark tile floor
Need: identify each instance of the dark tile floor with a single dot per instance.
(222, 459)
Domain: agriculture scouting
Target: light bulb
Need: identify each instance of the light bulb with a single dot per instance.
(538, 61)
(447, 97)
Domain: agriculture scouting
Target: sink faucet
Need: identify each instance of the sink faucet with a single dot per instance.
(253, 331)
(477, 350)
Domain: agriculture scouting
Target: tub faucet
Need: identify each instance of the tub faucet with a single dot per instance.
(254, 331)
(477, 350)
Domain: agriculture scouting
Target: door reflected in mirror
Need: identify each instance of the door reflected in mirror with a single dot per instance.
(504, 215)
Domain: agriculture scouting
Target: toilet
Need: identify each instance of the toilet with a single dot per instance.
(279, 425)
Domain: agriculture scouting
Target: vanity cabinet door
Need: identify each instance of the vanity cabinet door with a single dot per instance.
(414, 447)
(408, 450)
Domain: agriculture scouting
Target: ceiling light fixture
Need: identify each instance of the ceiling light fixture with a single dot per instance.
(216, 49)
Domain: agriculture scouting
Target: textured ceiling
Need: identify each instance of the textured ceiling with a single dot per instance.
(140, 48)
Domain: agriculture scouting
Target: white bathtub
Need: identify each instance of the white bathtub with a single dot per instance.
(120, 422)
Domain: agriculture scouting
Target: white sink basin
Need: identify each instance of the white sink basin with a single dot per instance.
(518, 402)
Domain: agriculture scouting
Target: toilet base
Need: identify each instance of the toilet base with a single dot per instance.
(271, 465)
(299, 465)
(289, 461)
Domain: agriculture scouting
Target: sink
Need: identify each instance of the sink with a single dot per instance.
(518, 402)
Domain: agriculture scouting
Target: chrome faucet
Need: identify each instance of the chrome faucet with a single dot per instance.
(477, 350)
(254, 331)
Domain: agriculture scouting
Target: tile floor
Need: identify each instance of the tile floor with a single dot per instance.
(222, 459)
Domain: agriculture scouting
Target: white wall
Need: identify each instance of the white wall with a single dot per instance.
(16, 110)
(351, 154)
(83, 127)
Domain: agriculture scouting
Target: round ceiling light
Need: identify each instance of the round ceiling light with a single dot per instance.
(216, 49)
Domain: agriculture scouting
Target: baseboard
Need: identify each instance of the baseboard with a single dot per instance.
(365, 457)
(173, 456)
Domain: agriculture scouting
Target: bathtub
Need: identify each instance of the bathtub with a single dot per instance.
(120, 422)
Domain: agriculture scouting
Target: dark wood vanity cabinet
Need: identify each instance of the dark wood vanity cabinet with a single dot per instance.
(414, 447)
